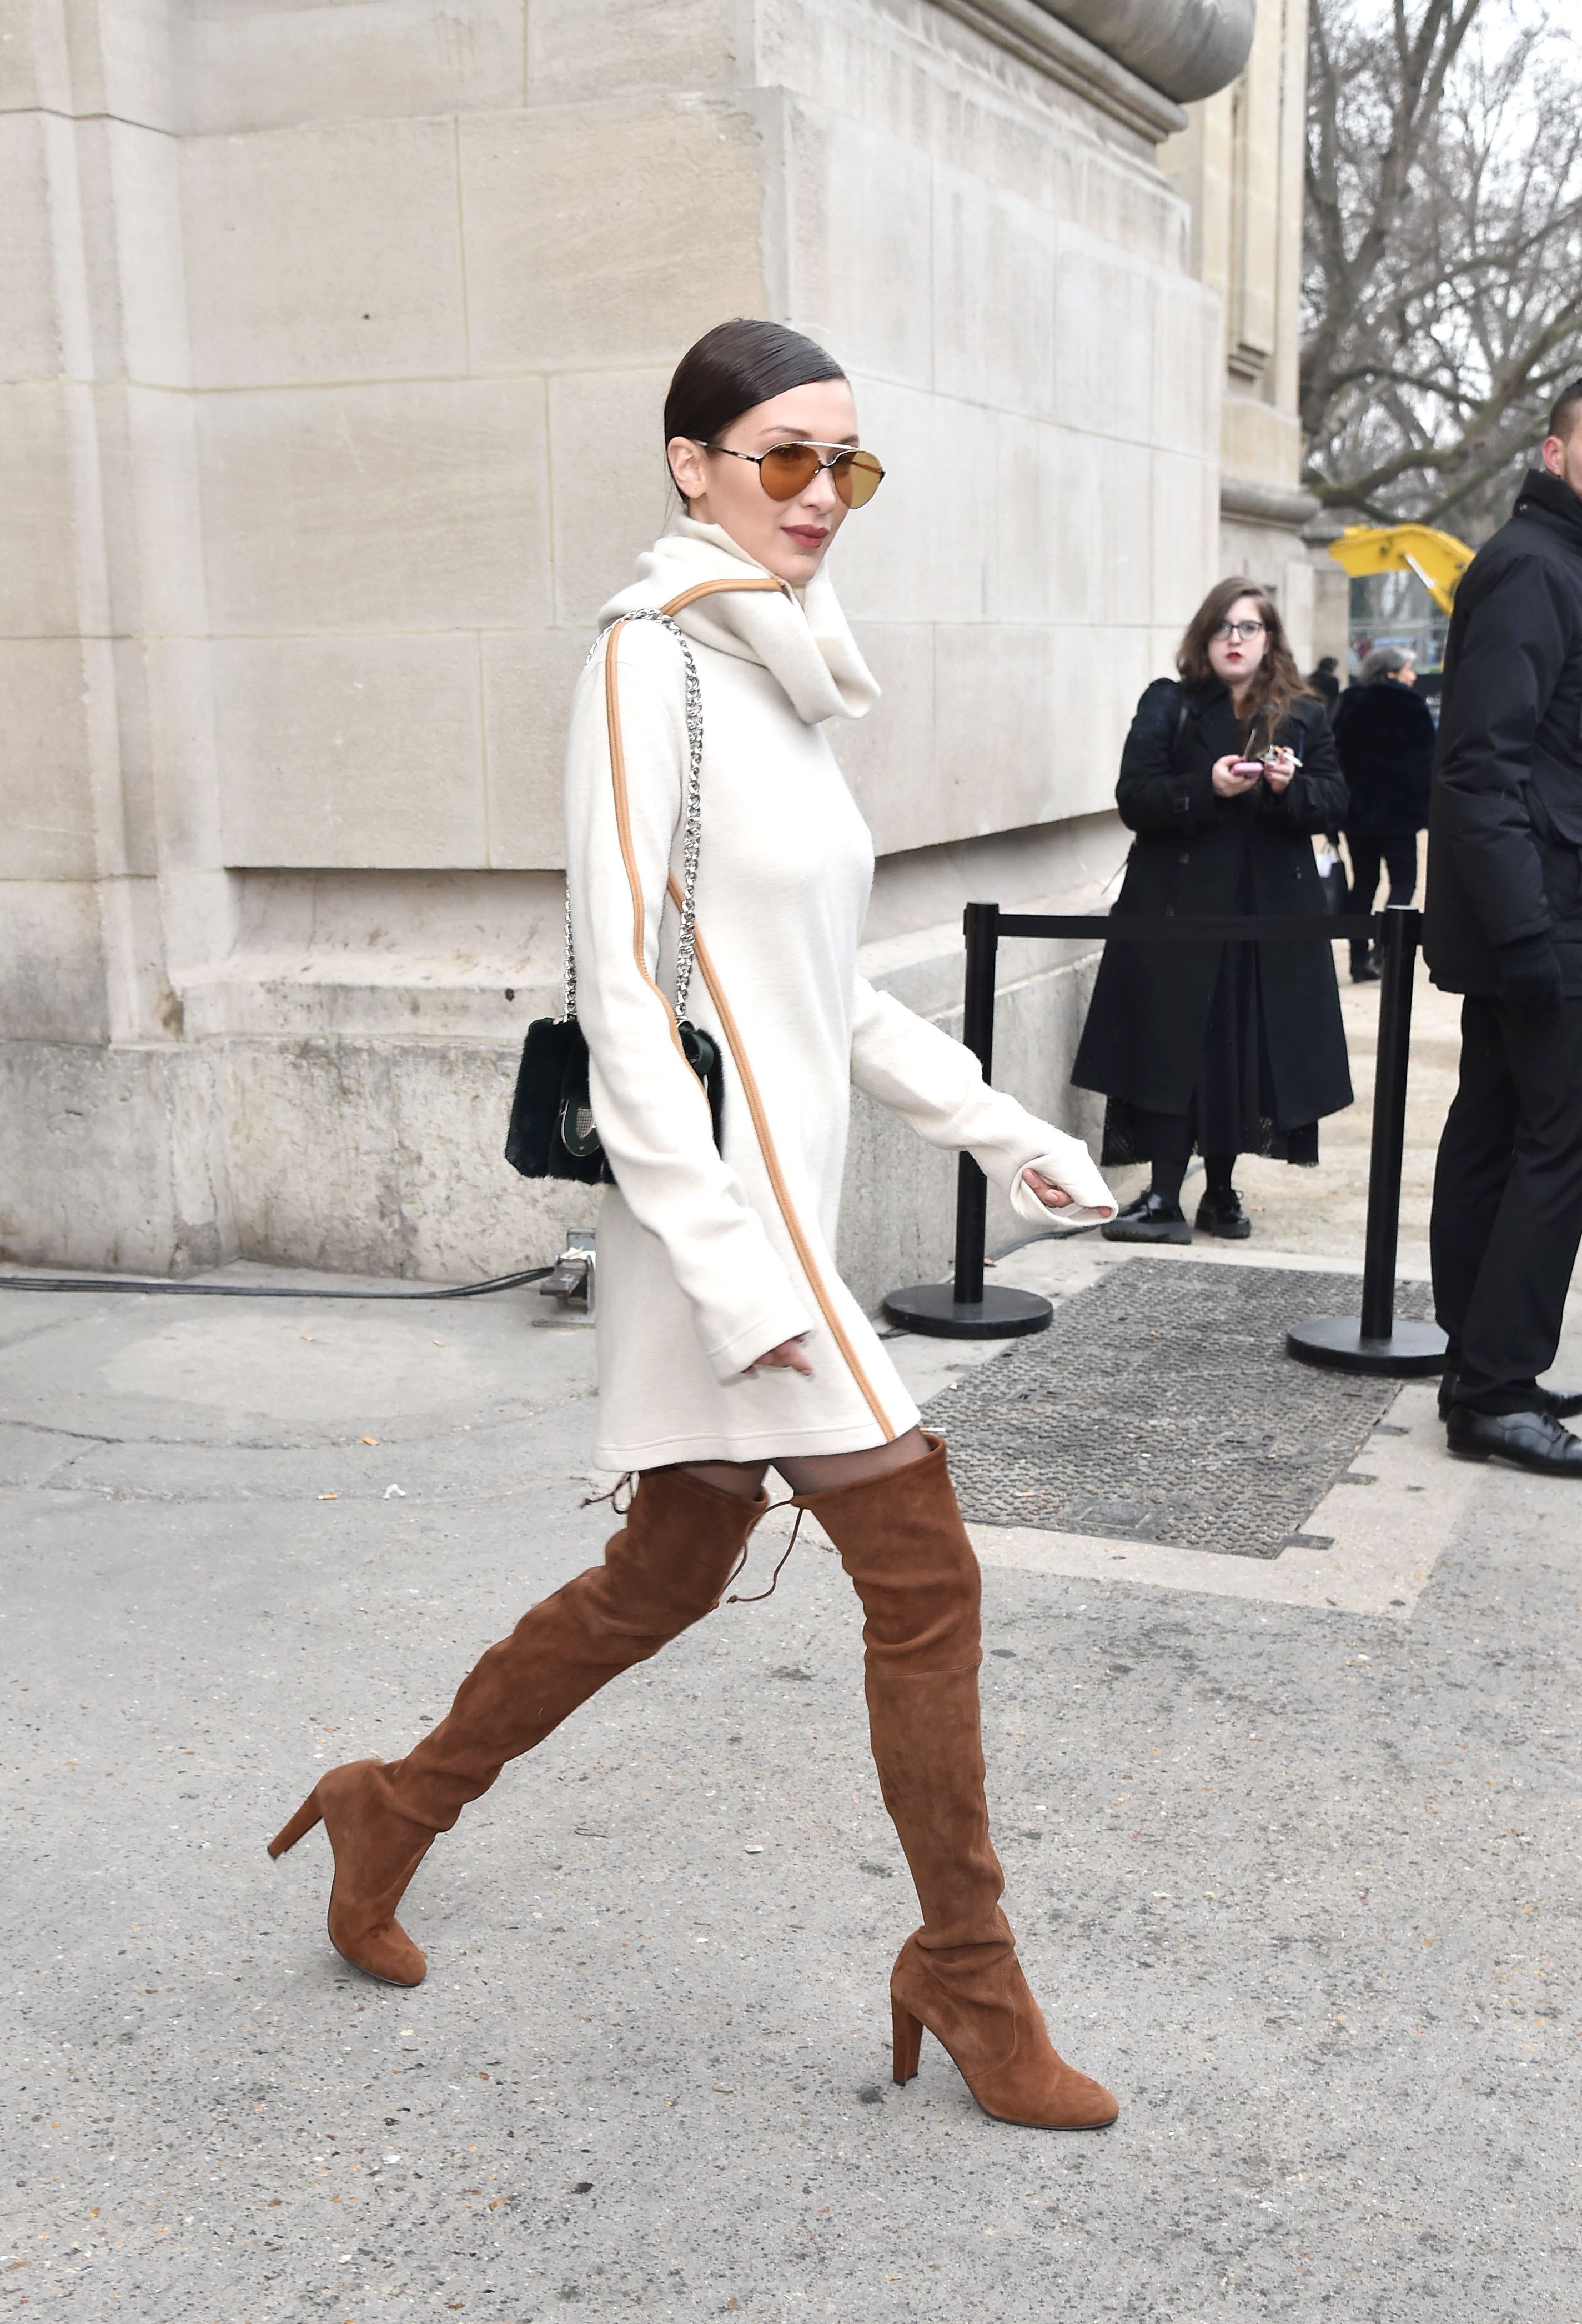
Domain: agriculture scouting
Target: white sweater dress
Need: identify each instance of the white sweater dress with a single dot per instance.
(707, 1260)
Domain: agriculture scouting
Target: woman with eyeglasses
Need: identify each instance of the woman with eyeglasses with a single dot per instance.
(727, 1342)
(1228, 773)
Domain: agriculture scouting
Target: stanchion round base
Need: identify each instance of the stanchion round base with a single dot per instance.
(1413, 1351)
(934, 1310)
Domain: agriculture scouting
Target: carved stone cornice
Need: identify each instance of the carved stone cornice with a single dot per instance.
(1030, 31)
(1187, 48)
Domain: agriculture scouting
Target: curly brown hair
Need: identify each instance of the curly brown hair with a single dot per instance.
(1277, 683)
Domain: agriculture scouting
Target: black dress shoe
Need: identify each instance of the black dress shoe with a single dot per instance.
(1221, 1213)
(1150, 1219)
(1527, 1440)
(1559, 1403)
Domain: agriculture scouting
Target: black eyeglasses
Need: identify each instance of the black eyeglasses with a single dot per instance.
(787, 469)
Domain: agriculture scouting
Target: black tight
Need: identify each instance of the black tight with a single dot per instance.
(1168, 1174)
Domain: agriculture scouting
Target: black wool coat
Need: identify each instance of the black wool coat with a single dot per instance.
(1385, 739)
(1195, 852)
(1505, 814)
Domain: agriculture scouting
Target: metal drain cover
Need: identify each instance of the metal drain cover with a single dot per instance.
(1160, 1405)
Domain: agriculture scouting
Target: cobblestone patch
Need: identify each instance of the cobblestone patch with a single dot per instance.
(1160, 1406)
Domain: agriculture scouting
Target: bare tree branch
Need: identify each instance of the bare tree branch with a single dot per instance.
(1443, 290)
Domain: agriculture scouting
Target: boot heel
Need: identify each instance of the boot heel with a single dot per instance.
(306, 1817)
(907, 2033)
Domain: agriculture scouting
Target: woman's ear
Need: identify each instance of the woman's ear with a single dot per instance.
(687, 467)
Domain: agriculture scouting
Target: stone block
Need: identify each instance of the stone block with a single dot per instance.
(130, 179)
(177, 675)
(412, 505)
(994, 304)
(888, 758)
(1185, 511)
(120, 55)
(925, 548)
(330, 252)
(158, 575)
(361, 751)
(860, 206)
(30, 331)
(996, 734)
(607, 234)
(113, 1157)
(528, 681)
(408, 1177)
(33, 68)
(51, 970)
(1103, 338)
(267, 66)
(610, 493)
(1098, 676)
(1125, 563)
(580, 49)
(46, 790)
(39, 581)
(1186, 359)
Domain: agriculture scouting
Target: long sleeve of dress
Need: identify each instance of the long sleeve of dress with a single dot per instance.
(651, 1110)
(937, 1085)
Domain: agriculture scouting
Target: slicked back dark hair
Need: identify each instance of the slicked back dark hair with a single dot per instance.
(733, 367)
(1566, 410)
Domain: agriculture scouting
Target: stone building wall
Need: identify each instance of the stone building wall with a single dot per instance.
(330, 370)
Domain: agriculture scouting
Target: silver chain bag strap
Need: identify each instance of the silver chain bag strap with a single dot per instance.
(692, 826)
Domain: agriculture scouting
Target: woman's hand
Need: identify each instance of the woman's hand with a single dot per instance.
(1053, 1197)
(786, 1358)
(1278, 770)
(1230, 784)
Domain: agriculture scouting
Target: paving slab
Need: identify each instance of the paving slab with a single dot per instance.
(1297, 1879)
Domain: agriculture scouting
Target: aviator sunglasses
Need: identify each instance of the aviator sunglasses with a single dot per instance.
(787, 469)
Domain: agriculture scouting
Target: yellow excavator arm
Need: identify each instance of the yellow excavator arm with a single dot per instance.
(1438, 558)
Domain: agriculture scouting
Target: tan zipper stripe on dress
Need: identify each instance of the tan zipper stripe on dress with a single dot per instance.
(754, 1106)
(629, 854)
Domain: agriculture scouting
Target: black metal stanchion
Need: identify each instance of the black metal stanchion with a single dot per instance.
(965, 1308)
(1377, 1342)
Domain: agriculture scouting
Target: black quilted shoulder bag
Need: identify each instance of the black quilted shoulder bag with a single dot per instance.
(552, 1132)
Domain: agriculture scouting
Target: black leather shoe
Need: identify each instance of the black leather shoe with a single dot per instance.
(1527, 1440)
(1150, 1219)
(1557, 1402)
(1221, 1213)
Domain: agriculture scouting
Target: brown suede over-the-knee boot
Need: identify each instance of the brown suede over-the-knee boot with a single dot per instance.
(662, 1571)
(901, 1539)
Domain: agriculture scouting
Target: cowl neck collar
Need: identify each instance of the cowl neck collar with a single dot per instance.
(800, 637)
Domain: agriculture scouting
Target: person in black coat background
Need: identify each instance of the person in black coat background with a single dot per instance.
(1228, 1047)
(1385, 738)
(1505, 928)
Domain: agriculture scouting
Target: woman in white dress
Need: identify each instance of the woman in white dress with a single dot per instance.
(727, 1341)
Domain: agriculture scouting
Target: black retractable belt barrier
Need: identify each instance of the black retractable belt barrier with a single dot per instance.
(966, 1308)
(1378, 1341)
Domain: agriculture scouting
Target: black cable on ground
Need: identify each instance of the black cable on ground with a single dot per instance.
(263, 1291)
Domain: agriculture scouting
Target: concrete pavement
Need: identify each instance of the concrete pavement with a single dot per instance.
(1297, 1879)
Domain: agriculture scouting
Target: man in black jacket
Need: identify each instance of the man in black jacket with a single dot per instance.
(1505, 927)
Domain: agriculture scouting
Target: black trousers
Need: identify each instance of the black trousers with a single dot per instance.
(1507, 1209)
(1398, 854)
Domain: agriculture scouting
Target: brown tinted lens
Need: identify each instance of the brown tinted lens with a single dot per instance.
(857, 476)
(789, 470)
